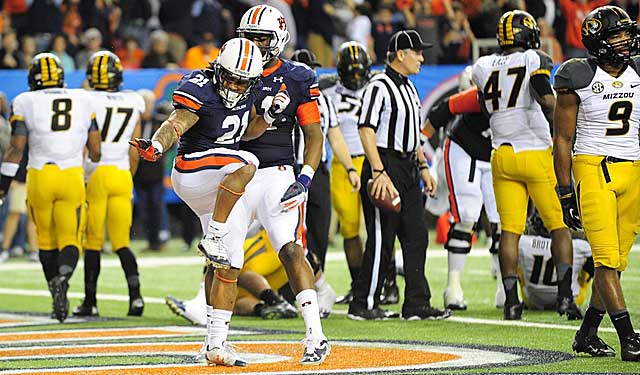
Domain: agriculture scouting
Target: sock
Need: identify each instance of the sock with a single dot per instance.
(456, 261)
(453, 283)
(257, 309)
(355, 272)
(564, 273)
(68, 260)
(308, 301)
(201, 296)
(269, 296)
(217, 326)
(216, 228)
(510, 289)
(622, 322)
(130, 267)
(49, 261)
(592, 318)
(91, 273)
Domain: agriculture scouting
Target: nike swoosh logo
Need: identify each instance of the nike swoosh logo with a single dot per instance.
(634, 86)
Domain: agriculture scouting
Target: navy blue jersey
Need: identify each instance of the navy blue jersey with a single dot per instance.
(218, 126)
(275, 146)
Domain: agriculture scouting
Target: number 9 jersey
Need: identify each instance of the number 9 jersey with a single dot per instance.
(504, 85)
(608, 109)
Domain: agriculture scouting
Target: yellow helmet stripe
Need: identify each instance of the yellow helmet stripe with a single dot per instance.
(53, 70)
(95, 71)
(501, 25)
(510, 27)
(104, 63)
(44, 70)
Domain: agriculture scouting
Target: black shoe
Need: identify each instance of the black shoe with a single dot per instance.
(630, 348)
(85, 309)
(425, 312)
(346, 299)
(390, 293)
(513, 312)
(566, 305)
(282, 310)
(136, 307)
(361, 313)
(58, 287)
(592, 345)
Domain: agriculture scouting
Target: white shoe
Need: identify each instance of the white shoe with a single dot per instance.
(495, 266)
(214, 251)
(500, 296)
(33, 256)
(454, 299)
(4, 256)
(223, 356)
(315, 351)
(326, 299)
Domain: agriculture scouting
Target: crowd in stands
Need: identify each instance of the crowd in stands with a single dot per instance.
(187, 33)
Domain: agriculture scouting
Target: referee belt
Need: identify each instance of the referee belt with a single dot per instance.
(399, 154)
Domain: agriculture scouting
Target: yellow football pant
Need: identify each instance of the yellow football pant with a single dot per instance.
(610, 212)
(109, 194)
(346, 203)
(516, 176)
(261, 258)
(55, 200)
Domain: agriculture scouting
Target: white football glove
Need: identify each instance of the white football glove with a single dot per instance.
(280, 101)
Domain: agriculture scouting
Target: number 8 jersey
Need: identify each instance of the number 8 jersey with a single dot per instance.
(515, 116)
(609, 109)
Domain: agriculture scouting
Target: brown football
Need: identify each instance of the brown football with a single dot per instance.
(391, 204)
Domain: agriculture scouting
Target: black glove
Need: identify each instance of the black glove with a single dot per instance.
(570, 213)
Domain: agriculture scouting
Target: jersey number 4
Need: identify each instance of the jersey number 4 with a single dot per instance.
(491, 90)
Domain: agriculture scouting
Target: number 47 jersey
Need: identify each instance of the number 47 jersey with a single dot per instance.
(504, 84)
(609, 108)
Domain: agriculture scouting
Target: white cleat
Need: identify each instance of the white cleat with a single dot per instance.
(454, 300)
(223, 356)
(315, 351)
(214, 251)
(326, 299)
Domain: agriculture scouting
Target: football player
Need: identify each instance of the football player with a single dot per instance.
(110, 182)
(57, 123)
(598, 109)
(275, 196)
(213, 108)
(515, 91)
(467, 151)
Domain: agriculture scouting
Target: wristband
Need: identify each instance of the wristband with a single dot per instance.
(306, 175)
(158, 146)
(423, 168)
(381, 171)
(9, 169)
(349, 170)
(268, 118)
(564, 191)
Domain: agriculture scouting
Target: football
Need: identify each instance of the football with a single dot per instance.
(391, 204)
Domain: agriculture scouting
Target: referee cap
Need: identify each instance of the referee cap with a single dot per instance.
(407, 39)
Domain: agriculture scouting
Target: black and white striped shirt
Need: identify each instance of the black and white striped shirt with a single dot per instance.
(328, 119)
(391, 107)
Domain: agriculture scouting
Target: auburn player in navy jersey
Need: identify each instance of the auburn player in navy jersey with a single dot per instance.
(275, 196)
(213, 111)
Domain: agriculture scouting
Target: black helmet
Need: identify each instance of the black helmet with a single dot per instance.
(535, 226)
(104, 71)
(517, 28)
(45, 71)
(599, 25)
(353, 59)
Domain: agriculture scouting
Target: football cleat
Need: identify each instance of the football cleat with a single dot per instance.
(4, 256)
(214, 251)
(281, 310)
(630, 348)
(592, 345)
(513, 312)
(136, 307)
(454, 301)
(566, 305)
(390, 293)
(183, 310)
(426, 312)
(315, 351)
(356, 312)
(223, 356)
(346, 299)
(58, 287)
(85, 309)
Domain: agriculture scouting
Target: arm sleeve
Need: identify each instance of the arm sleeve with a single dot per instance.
(308, 111)
(465, 102)
(543, 65)
(439, 115)
(372, 106)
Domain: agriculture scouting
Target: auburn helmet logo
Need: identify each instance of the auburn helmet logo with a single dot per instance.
(282, 23)
(591, 26)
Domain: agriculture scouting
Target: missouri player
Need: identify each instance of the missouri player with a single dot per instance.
(515, 90)
(57, 124)
(598, 109)
(110, 184)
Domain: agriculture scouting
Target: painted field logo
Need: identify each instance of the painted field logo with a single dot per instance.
(162, 350)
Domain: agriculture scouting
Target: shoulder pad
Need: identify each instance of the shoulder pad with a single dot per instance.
(545, 61)
(327, 80)
(374, 72)
(575, 74)
(300, 72)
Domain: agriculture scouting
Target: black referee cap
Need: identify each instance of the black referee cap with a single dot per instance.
(306, 57)
(407, 39)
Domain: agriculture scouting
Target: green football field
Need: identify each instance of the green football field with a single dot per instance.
(174, 272)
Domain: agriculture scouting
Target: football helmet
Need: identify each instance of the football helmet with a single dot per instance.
(354, 65)
(465, 79)
(265, 20)
(600, 25)
(104, 71)
(517, 28)
(236, 70)
(45, 71)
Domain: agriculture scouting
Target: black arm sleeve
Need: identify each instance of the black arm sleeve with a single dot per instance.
(440, 115)
(541, 84)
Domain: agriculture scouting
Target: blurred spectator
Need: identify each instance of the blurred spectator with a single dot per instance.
(549, 43)
(45, 16)
(550, 11)
(457, 38)
(130, 54)
(92, 42)
(27, 51)
(574, 12)
(206, 19)
(442, 8)
(321, 31)
(18, 13)
(630, 6)
(199, 57)
(72, 23)
(9, 56)
(133, 22)
(104, 15)
(428, 26)
(158, 55)
(59, 48)
(359, 28)
(536, 8)
(175, 17)
(381, 31)
(490, 12)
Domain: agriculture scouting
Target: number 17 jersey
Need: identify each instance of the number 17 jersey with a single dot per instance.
(504, 85)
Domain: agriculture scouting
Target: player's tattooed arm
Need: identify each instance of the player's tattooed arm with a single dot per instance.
(179, 121)
(564, 130)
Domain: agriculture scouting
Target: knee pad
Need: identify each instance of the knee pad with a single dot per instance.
(495, 238)
(459, 238)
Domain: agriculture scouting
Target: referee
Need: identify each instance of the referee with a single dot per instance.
(389, 127)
